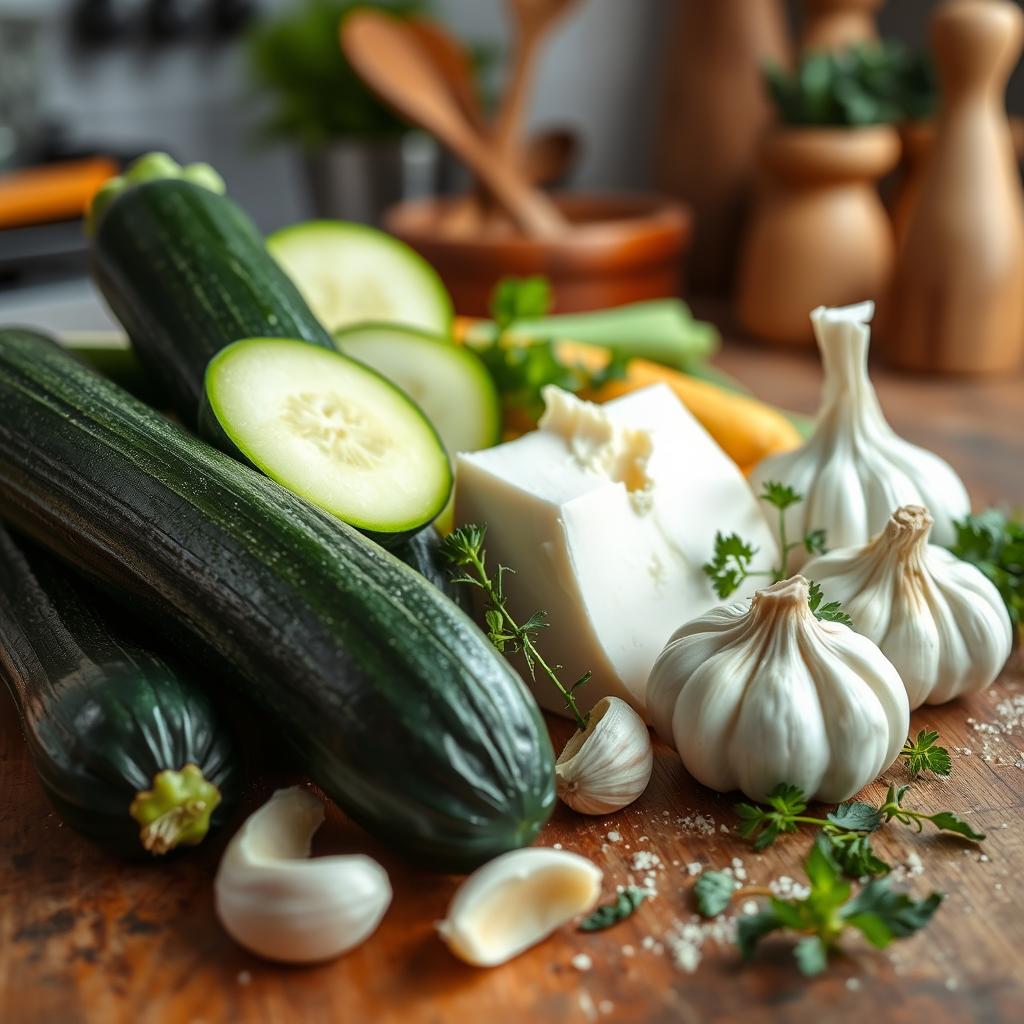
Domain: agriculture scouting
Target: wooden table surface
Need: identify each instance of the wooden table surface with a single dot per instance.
(83, 938)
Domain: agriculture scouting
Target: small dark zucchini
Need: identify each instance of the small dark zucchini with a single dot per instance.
(130, 752)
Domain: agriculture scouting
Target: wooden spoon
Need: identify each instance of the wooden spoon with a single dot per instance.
(451, 60)
(548, 156)
(533, 20)
(388, 58)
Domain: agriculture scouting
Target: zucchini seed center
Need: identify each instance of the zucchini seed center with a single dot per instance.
(341, 428)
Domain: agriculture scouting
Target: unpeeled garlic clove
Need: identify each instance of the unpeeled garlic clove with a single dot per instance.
(515, 901)
(608, 765)
(279, 904)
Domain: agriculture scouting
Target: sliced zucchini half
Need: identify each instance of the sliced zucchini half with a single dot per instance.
(351, 273)
(448, 382)
(332, 431)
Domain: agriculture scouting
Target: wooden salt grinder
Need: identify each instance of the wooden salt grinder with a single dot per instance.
(831, 25)
(956, 303)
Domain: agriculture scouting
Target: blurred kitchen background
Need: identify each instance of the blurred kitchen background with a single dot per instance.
(126, 76)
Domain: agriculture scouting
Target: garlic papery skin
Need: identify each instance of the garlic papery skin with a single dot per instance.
(938, 619)
(608, 765)
(515, 901)
(854, 470)
(279, 904)
(756, 694)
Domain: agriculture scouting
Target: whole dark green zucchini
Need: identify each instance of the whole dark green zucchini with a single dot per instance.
(391, 698)
(130, 752)
(186, 272)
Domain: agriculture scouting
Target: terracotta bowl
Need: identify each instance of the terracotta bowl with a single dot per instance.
(620, 249)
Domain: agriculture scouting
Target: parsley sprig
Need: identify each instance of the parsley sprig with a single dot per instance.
(877, 911)
(846, 829)
(464, 549)
(732, 561)
(994, 542)
(922, 754)
(521, 370)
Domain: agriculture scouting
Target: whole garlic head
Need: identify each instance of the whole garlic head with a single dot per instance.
(854, 470)
(515, 901)
(279, 904)
(756, 694)
(608, 765)
(939, 620)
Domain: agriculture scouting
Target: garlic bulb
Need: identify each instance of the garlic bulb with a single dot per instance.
(280, 905)
(854, 470)
(939, 620)
(515, 901)
(607, 766)
(761, 693)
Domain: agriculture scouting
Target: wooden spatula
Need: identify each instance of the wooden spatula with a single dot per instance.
(388, 58)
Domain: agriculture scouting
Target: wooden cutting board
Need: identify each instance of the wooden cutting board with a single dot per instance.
(86, 939)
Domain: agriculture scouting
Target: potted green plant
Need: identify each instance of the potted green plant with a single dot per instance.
(359, 155)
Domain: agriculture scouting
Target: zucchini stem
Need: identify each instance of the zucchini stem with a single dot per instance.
(176, 811)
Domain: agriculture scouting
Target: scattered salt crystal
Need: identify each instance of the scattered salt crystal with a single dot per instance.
(915, 866)
(606, 1006)
(983, 858)
(694, 868)
(853, 984)
(749, 907)
(556, 846)
(952, 984)
(645, 860)
(628, 950)
(582, 962)
(614, 837)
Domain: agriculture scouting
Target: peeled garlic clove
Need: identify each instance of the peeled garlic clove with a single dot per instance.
(515, 901)
(608, 765)
(939, 620)
(854, 469)
(279, 904)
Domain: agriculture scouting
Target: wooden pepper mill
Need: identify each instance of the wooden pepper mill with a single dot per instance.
(956, 303)
(714, 113)
(831, 25)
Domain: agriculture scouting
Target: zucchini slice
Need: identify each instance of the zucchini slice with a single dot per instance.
(448, 382)
(331, 430)
(130, 751)
(351, 273)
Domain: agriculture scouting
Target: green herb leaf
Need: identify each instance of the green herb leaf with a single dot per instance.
(814, 542)
(781, 496)
(713, 892)
(624, 905)
(856, 816)
(882, 914)
(752, 928)
(764, 824)
(855, 856)
(831, 612)
(922, 754)
(994, 542)
(520, 298)
(892, 808)
(730, 563)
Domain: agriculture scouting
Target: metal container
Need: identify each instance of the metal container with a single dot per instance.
(357, 179)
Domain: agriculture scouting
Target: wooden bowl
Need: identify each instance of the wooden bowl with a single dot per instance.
(620, 249)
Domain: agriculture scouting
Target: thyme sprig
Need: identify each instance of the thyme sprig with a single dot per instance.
(464, 549)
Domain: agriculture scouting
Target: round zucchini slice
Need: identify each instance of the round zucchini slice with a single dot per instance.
(448, 382)
(332, 431)
(351, 273)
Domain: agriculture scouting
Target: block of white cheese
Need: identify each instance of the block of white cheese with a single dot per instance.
(607, 513)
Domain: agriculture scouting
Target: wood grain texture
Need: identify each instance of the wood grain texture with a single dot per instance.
(86, 939)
